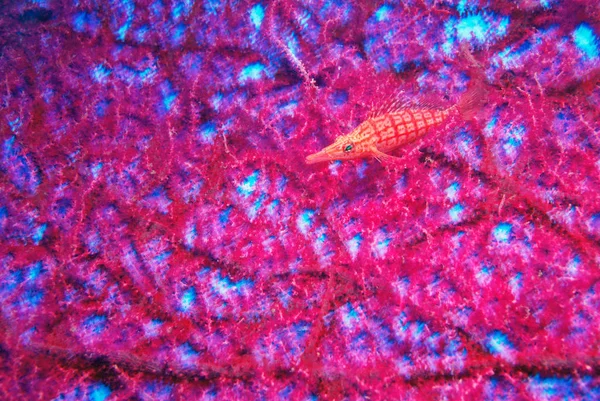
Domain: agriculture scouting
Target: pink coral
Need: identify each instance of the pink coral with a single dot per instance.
(162, 237)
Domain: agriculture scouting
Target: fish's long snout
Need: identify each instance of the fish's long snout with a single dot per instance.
(320, 156)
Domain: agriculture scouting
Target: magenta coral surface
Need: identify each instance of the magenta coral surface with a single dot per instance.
(161, 237)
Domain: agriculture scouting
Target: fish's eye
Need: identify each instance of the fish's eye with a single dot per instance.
(348, 148)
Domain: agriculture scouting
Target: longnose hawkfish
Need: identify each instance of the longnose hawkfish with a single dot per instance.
(393, 125)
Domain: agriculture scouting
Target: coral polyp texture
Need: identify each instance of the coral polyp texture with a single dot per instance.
(162, 237)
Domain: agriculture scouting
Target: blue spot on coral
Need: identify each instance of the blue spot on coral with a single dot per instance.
(225, 287)
(192, 192)
(3, 216)
(212, 6)
(124, 8)
(301, 329)
(272, 207)
(478, 28)
(484, 275)
(188, 299)
(101, 108)
(513, 139)
(551, 387)
(456, 212)
(473, 26)
(253, 211)
(33, 297)
(151, 329)
(515, 283)
(63, 206)
(497, 343)
(38, 234)
(216, 100)
(350, 316)
(15, 124)
(353, 245)
(417, 328)
(502, 232)
(224, 215)
(169, 95)
(162, 257)
(83, 21)
(207, 131)
(178, 34)
(34, 271)
(454, 348)
(100, 73)
(158, 391)
(247, 187)
(573, 266)
(252, 72)
(187, 354)
(339, 97)
(92, 242)
(23, 174)
(383, 12)
(452, 191)
(99, 392)
(95, 323)
(380, 244)
(157, 200)
(140, 33)
(305, 220)
(15, 278)
(257, 14)
(586, 41)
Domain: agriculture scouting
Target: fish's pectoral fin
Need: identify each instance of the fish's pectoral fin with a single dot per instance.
(384, 157)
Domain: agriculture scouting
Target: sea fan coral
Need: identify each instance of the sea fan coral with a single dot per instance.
(162, 237)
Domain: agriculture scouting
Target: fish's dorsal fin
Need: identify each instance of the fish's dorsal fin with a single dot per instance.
(386, 107)
(391, 103)
(397, 104)
(426, 103)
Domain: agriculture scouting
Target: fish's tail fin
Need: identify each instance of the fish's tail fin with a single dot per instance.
(472, 100)
(476, 95)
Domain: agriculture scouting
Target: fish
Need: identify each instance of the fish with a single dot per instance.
(396, 124)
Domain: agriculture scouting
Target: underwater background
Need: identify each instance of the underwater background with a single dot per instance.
(162, 237)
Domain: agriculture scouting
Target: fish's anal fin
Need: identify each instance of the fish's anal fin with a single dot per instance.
(384, 157)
